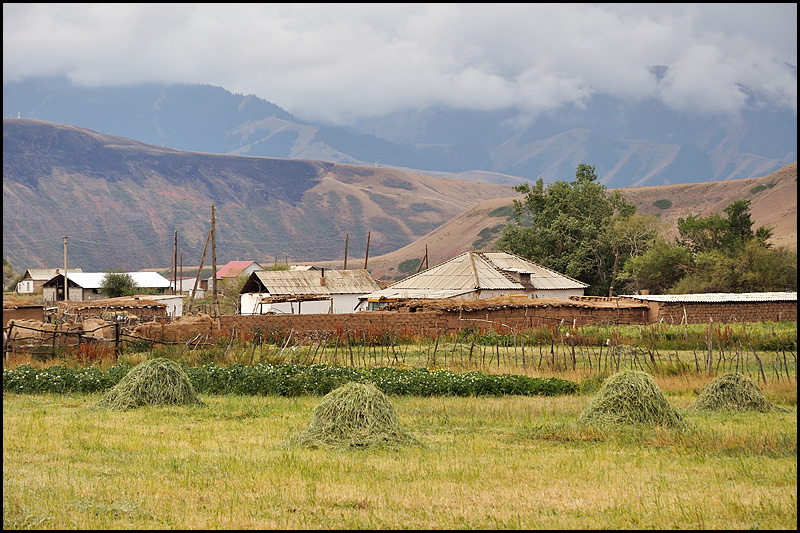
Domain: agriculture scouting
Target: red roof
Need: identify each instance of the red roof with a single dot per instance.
(234, 268)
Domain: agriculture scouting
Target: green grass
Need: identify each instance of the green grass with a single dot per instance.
(487, 463)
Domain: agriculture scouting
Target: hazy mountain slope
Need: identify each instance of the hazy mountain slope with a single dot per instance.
(773, 203)
(120, 202)
(631, 143)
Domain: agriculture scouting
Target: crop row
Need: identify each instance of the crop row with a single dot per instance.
(290, 380)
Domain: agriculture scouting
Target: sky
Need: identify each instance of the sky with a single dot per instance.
(341, 62)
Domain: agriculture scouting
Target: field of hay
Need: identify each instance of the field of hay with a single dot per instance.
(508, 462)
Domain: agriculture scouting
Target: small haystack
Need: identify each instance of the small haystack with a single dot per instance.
(732, 392)
(355, 415)
(157, 381)
(631, 397)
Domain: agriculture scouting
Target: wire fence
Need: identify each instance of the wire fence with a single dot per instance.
(544, 349)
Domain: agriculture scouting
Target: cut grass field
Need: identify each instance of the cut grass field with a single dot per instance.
(485, 463)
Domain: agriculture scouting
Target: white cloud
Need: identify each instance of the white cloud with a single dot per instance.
(335, 61)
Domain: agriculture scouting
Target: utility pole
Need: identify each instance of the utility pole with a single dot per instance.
(181, 275)
(346, 239)
(175, 265)
(66, 283)
(367, 256)
(214, 261)
(199, 270)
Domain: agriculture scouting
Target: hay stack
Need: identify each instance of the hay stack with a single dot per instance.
(631, 397)
(157, 381)
(355, 415)
(732, 392)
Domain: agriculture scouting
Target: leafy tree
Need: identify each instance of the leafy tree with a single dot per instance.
(565, 226)
(9, 276)
(228, 293)
(116, 283)
(657, 269)
(728, 234)
(715, 254)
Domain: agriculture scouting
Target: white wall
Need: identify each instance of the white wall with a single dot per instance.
(25, 287)
(342, 303)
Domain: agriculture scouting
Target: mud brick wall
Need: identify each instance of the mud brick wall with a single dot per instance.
(726, 312)
(432, 322)
(424, 323)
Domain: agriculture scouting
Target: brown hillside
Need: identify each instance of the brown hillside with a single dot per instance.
(773, 204)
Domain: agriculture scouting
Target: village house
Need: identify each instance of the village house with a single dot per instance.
(186, 286)
(305, 291)
(478, 275)
(34, 278)
(233, 269)
(85, 286)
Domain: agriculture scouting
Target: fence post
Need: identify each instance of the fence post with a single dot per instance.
(7, 341)
(116, 337)
(708, 343)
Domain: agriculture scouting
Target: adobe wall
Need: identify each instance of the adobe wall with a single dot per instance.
(34, 312)
(434, 322)
(699, 313)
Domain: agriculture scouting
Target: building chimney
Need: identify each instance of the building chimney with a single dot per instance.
(322, 278)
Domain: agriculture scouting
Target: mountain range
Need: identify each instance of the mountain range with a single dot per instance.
(121, 201)
(631, 143)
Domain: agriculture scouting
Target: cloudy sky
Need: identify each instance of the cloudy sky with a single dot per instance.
(336, 62)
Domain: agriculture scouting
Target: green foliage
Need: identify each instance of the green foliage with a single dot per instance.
(293, 380)
(758, 188)
(116, 283)
(409, 265)
(487, 235)
(565, 226)
(279, 266)
(663, 203)
(10, 278)
(504, 211)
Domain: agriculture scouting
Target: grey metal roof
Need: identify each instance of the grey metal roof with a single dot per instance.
(297, 282)
(44, 274)
(415, 294)
(486, 271)
(718, 297)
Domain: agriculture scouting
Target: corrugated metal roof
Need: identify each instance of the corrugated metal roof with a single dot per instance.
(486, 271)
(297, 282)
(719, 297)
(44, 274)
(93, 280)
(541, 277)
(233, 268)
(416, 294)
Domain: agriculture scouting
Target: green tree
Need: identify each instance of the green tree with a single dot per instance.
(9, 276)
(660, 267)
(229, 298)
(116, 283)
(565, 226)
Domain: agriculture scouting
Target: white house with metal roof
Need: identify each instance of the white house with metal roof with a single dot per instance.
(34, 278)
(305, 291)
(87, 285)
(478, 275)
